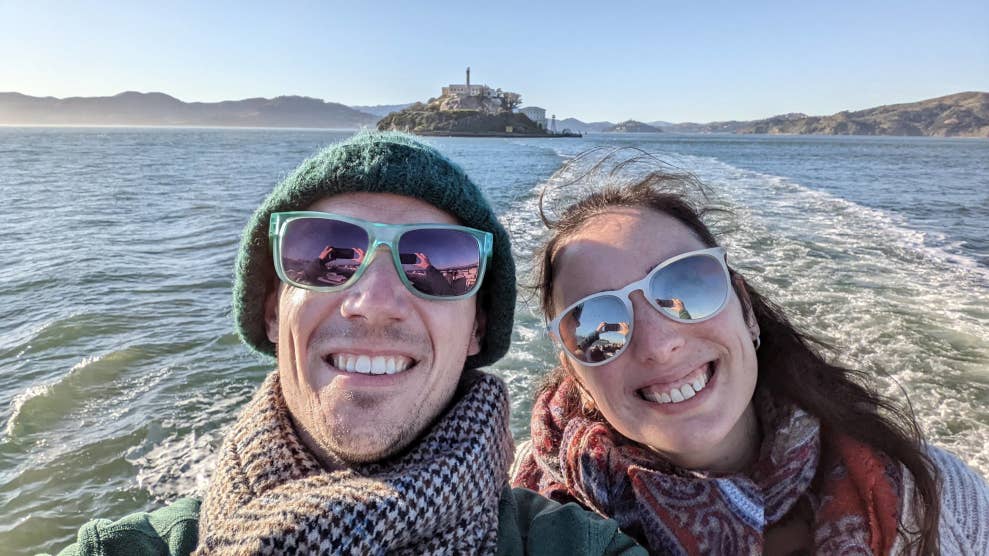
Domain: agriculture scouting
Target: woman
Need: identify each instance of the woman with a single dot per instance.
(688, 408)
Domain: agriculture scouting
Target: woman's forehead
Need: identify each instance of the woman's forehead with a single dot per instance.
(647, 235)
(614, 248)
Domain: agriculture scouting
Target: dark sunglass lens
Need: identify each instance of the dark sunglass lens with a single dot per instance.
(691, 288)
(597, 329)
(322, 252)
(440, 261)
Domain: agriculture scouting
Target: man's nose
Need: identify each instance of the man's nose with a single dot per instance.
(378, 296)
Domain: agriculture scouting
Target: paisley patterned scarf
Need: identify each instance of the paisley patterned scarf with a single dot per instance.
(854, 493)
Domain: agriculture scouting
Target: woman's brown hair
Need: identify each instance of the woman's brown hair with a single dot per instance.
(791, 366)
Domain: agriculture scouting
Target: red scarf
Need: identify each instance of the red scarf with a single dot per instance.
(855, 498)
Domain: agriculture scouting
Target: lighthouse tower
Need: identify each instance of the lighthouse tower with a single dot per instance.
(468, 80)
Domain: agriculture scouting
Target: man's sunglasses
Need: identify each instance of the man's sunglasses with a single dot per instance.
(691, 287)
(326, 252)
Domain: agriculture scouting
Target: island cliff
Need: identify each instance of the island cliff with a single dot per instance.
(461, 116)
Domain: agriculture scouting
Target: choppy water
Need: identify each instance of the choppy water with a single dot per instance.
(119, 367)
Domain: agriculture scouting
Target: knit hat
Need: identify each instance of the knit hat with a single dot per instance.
(372, 162)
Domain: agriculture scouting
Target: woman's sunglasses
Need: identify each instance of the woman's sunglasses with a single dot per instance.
(326, 252)
(691, 287)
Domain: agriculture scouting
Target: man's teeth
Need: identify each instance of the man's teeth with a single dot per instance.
(679, 393)
(364, 364)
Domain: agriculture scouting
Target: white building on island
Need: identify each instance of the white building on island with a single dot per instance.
(466, 89)
(536, 114)
(469, 90)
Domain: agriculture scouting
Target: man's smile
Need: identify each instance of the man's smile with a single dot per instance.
(370, 364)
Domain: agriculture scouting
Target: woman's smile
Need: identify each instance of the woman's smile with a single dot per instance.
(680, 390)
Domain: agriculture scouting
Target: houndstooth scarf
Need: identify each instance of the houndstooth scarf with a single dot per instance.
(676, 511)
(269, 494)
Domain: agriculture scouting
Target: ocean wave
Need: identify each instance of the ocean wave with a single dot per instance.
(84, 387)
(17, 405)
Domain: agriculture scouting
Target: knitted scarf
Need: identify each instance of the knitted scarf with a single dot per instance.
(269, 495)
(854, 497)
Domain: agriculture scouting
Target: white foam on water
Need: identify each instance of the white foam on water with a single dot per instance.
(17, 404)
(178, 466)
(177, 457)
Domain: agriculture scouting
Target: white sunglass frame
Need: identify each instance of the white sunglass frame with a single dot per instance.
(625, 296)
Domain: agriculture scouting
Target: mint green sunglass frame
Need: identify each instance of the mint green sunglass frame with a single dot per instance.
(378, 235)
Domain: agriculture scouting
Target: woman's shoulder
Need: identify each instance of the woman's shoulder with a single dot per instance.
(960, 484)
(952, 464)
(964, 522)
(173, 529)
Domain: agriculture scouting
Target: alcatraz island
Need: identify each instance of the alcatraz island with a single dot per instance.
(466, 110)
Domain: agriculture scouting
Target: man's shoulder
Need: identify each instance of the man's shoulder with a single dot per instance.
(171, 530)
(529, 523)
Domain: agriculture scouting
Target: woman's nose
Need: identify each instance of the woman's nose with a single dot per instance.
(656, 337)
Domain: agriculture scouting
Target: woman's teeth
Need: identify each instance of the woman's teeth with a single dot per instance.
(679, 393)
(364, 364)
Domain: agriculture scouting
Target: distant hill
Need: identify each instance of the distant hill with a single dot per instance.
(632, 126)
(597, 127)
(574, 124)
(732, 126)
(382, 110)
(958, 115)
(132, 108)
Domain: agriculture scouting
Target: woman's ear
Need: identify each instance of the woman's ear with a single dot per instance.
(564, 362)
(587, 404)
(741, 289)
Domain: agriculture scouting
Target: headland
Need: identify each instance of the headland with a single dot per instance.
(466, 110)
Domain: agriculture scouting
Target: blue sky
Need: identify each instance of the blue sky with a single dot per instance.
(658, 60)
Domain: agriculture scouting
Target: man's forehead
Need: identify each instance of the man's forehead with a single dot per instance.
(387, 208)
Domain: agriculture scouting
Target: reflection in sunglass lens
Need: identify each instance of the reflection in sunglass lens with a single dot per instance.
(597, 329)
(691, 288)
(321, 252)
(440, 261)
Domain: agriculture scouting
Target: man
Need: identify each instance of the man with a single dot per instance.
(376, 434)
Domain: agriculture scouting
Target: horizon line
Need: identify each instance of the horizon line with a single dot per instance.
(408, 103)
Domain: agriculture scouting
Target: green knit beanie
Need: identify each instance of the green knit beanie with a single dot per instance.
(374, 162)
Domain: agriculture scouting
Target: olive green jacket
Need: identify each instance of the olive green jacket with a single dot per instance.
(527, 524)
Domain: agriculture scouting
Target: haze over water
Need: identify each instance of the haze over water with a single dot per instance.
(119, 367)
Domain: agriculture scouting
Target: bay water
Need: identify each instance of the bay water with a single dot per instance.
(120, 369)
